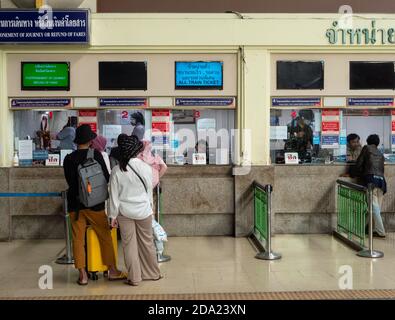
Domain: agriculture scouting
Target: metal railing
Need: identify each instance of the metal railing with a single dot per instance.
(262, 221)
(67, 258)
(354, 205)
(161, 257)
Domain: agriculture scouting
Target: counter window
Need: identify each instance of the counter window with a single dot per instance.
(328, 135)
(179, 136)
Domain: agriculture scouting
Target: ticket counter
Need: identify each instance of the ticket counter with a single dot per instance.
(188, 103)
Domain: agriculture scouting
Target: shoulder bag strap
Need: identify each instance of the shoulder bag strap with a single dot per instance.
(90, 154)
(142, 181)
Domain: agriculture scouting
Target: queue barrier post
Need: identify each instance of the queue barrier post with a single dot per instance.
(262, 220)
(370, 253)
(161, 257)
(354, 204)
(67, 258)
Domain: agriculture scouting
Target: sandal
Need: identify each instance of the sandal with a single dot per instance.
(160, 277)
(131, 283)
(121, 276)
(81, 283)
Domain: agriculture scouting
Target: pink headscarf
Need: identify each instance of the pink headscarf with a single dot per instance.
(155, 161)
(99, 143)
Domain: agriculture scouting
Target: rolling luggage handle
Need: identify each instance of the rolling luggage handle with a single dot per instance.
(68, 257)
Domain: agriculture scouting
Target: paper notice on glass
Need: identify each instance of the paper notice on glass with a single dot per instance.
(25, 148)
(222, 156)
(53, 160)
(206, 124)
(199, 158)
(317, 121)
(112, 131)
(63, 154)
(330, 141)
(278, 132)
(291, 158)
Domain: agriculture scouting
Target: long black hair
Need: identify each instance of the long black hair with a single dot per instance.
(129, 147)
(139, 117)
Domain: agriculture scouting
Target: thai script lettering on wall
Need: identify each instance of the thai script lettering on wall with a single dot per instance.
(371, 35)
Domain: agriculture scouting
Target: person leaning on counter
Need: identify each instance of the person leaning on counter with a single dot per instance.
(353, 147)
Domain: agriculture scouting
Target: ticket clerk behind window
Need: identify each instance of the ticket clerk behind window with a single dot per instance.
(300, 131)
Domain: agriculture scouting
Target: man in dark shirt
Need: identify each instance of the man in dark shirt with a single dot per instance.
(81, 216)
(370, 167)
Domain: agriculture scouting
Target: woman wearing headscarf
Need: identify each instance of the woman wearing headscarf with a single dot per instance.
(130, 207)
(99, 144)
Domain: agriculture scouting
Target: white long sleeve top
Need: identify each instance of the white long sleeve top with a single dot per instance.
(127, 194)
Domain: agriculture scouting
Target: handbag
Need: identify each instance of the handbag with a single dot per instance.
(159, 233)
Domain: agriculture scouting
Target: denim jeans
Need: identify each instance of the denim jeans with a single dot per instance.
(377, 220)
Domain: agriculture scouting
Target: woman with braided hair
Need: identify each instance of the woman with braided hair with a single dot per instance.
(130, 207)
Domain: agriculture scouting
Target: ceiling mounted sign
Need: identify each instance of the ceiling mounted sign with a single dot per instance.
(44, 26)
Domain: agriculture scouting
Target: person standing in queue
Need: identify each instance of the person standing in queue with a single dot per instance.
(370, 167)
(66, 136)
(81, 215)
(99, 144)
(130, 206)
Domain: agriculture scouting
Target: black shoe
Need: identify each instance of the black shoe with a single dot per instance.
(375, 234)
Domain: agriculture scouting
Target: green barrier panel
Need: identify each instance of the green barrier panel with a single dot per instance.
(261, 212)
(352, 209)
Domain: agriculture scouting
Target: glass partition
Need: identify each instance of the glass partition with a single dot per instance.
(327, 136)
(179, 136)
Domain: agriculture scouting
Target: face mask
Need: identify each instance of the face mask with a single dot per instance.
(133, 122)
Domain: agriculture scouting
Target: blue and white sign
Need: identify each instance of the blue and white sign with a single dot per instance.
(205, 102)
(316, 138)
(33, 26)
(40, 103)
(343, 141)
(296, 102)
(329, 141)
(40, 155)
(364, 102)
(199, 75)
(25, 162)
(158, 140)
(123, 102)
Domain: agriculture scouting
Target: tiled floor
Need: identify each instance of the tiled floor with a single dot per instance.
(209, 264)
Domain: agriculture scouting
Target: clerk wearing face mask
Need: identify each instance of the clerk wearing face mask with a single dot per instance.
(138, 123)
(137, 120)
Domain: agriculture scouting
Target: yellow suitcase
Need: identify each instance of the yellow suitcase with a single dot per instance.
(93, 253)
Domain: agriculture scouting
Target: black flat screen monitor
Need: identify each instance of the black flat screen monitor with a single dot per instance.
(371, 75)
(122, 75)
(299, 75)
